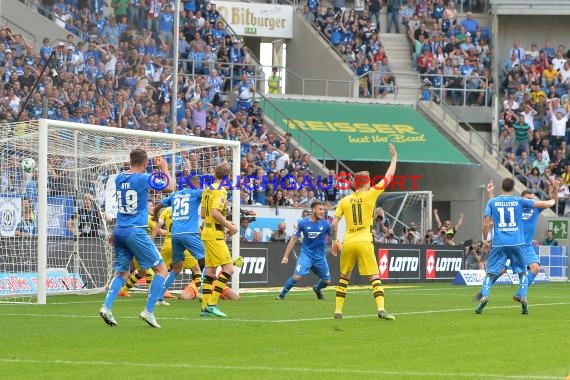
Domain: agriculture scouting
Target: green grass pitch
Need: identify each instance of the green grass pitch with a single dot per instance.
(436, 335)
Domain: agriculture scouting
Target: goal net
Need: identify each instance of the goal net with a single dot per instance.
(58, 202)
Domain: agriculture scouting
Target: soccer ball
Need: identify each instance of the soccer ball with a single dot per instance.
(28, 165)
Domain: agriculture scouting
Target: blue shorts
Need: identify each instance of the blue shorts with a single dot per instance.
(529, 255)
(499, 255)
(191, 242)
(320, 267)
(134, 242)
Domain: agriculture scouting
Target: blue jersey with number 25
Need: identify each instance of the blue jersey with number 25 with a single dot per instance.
(506, 211)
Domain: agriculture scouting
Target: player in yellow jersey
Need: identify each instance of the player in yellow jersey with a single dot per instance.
(358, 209)
(213, 210)
(165, 220)
(137, 274)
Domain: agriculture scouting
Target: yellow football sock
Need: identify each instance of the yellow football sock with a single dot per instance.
(206, 290)
(219, 286)
(341, 290)
(378, 293)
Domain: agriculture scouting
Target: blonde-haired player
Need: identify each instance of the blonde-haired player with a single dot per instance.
(214, 210)
(358, 209)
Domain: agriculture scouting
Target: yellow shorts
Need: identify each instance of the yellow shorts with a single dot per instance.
(360, 252)
(217, 253)
(166, 253)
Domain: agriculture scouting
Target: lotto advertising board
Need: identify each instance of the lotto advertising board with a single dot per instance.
(442, 263)
(399, 263)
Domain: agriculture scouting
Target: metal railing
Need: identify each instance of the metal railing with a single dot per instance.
(474, 135)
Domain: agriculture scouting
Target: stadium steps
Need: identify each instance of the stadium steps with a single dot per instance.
(397, 49)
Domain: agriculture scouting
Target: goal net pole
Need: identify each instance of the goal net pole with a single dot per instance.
(42, 208)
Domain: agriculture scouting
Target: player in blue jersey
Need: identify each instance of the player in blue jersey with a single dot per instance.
(185, 231)
(130, 238)
(530, 220)
(505, 213)
(313, 253)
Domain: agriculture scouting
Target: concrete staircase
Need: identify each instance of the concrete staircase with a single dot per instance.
(477, 147)
(398, 51)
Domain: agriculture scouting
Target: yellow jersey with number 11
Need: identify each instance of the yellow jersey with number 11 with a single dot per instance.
(358, 211)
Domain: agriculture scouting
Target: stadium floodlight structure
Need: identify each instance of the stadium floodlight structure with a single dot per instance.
(41, 250)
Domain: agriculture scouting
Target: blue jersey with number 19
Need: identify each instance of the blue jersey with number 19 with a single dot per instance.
(132, 198)
(185, 205)
(506, 212)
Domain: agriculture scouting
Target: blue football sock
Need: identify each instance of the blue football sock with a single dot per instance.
(523, 285)
(114, 289)
(169, 280)
(530, 277)
(154, 292)
(486, 288)
(321, 285)
(288, 285)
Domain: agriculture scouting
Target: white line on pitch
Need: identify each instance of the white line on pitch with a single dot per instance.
(293, 320)
(373, 372)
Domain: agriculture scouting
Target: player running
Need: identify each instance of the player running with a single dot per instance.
(313, 253)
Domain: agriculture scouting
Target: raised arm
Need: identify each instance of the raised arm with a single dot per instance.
(460, 221)
(544, 204)
(391, 169)
(437, 220)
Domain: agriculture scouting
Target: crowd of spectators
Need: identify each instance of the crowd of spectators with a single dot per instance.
(453, 55)
(117, 71)
(534, 129)
(354, 33)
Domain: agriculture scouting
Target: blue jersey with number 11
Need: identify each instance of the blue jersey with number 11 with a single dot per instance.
(506, 212)
(132, 198)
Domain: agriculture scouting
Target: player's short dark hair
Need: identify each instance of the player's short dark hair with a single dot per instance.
(138, 156)
(508, 185)
(525, 192)
(316, 203)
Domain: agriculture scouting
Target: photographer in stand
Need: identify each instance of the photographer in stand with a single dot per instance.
(279, 235)
(411, 235)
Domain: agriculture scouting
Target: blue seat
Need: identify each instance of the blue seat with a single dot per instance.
(485, 33)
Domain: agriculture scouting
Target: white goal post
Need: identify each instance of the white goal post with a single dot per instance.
(69, 189)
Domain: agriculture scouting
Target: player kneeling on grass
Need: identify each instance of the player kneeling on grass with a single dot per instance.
(193, 290)
(313, 253)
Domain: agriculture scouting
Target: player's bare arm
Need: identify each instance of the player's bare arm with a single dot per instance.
(391, 169)
(217, 215)
(336, 246)
(486, 227)
(288, 249)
